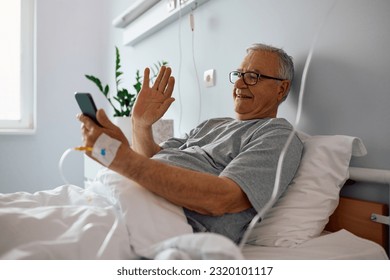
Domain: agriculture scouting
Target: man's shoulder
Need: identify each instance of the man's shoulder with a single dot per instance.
(273, 127)
(253, 125)
(216, 121)
(220, 119)
(274, 123)
(279, 127)
(280, 123)
(271, 124)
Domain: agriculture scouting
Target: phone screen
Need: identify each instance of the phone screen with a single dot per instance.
(87, 105)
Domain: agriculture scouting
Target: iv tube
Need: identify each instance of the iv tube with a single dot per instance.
(275, 191)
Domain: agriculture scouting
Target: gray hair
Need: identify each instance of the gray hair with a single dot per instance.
(286, 65)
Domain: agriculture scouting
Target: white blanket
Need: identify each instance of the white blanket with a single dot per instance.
(114, 218)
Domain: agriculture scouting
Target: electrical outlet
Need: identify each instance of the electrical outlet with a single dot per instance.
(209, 78)
(171, 5)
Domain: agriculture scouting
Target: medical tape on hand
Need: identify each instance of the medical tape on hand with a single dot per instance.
(105, 149)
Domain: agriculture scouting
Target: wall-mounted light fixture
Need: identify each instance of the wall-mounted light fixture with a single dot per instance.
(133, 12)
(152, 19)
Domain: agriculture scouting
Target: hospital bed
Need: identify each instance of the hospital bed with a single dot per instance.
(350, 234)
(110, 220)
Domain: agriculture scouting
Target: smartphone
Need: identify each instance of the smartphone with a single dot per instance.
(87, 105)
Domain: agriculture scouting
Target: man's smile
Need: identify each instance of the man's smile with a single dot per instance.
(242, 96)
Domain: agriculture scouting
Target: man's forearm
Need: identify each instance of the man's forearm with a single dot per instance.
(143, 141)
(200, 192)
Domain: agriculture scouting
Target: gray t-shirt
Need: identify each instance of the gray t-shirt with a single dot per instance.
(247, 152)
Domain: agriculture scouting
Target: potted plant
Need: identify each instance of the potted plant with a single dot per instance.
(122, 100)
(123, 97)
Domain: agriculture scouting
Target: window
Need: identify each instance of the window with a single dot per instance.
(17, 82)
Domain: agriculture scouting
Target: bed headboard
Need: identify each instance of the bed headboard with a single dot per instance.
(366, 219)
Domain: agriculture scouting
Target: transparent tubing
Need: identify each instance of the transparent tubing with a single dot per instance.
(106, 241)
(195, 68)
(276, 188)
(60, 165)
(179, 73)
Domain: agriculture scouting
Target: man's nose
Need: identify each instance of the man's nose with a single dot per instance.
(240, 83)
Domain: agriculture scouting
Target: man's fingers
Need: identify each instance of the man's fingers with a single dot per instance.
(163, 83)
(103, 119)
(145, 83)
(170, 86)
(87, 123)
(168, 103)
(160, 75)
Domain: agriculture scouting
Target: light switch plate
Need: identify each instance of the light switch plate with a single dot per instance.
(209, 78)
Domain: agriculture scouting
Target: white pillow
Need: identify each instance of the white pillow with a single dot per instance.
(303, 210)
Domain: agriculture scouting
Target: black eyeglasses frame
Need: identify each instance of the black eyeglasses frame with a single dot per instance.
(258, 75)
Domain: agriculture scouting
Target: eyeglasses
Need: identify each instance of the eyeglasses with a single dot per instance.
(250, 78)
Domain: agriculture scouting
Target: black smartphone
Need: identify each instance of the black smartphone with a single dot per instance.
(87, 105)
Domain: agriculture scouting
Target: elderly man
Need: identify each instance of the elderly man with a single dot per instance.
(222, 173)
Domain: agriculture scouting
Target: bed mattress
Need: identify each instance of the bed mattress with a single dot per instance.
(340, 245)
(69, 222)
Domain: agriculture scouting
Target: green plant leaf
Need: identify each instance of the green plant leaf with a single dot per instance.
(106, 90)
(124, 98)
(137, 87)
(96, 81)
(118, 59)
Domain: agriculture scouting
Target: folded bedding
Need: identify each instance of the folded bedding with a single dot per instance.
(65, 223)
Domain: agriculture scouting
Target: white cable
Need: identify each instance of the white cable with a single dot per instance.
(61, 163)
(114, 226)
(107, 239)
(179, 74)
(307, 64)
(195, 68)
(275, 191)
(192, 22)
(274, 194)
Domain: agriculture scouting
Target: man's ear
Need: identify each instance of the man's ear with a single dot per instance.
(283, 89)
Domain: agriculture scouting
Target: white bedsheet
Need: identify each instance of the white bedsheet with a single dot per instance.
(64, 223)
(340, 245)
(116, 219)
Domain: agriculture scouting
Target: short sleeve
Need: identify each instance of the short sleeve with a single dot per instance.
(177, 142)
(254, 169)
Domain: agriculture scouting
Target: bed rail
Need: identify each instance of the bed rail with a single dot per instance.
(369, 175)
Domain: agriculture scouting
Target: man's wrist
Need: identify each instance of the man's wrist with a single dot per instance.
(123, 159)
(140, 125)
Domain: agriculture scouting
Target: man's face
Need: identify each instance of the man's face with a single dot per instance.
(262, 99)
